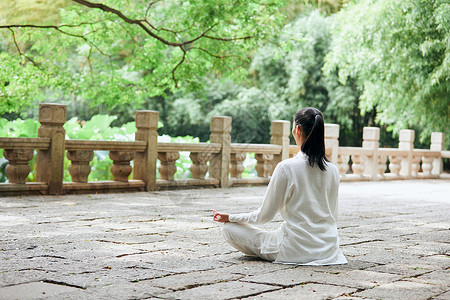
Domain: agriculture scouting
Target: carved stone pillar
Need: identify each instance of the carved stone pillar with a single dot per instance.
(167, 167)
(18, 169)
(279, 136)
(199, 166)
(220, 162)
(371, 137)
(236, 166)
(406, 142)
(121, 167)
(145, 162)
(427, 165)
(332, 141)
(79, 168)
(437, 144)
(394, 164)
(264, 164)
(50, 162)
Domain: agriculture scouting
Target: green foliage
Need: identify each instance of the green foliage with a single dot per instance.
(293, 73)
(399, 52)
(104, 59)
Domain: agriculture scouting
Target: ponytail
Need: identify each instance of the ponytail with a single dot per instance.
(311, 123)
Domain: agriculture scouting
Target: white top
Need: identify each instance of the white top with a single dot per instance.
(306, 198)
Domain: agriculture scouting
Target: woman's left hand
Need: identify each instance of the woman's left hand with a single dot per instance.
(220, 217)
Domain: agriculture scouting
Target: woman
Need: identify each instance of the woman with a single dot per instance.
(304, 189)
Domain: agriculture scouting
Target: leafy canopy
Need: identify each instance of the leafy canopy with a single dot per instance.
(122, 52)
(399, 51)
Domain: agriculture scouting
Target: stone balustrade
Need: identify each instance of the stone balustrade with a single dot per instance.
(218, 163)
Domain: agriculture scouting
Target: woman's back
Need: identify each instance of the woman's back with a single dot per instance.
(309, 233)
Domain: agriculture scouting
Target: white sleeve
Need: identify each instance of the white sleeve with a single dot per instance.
(274, 199)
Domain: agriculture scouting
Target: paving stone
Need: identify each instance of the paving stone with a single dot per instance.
(223, 290)
(402, 290)
(19, 277)
(310, 291)
(443, 296)
(34, 290)
(441, 278)
(106, 277)
(442, 261)
(124, 290)
(356, 279)
(406, 270)
(193, 279)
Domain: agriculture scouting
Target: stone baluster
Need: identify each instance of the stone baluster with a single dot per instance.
(50, 162)
(280, 136)
(371, 137)
(236, 165)
(343, 164)
(121, 167)
(415, 165)
(427, 165)
(18, 169)
(437, 144)
(145, 162)
(220, 162)
(406, 142)
(264, 164)
(381, 165)
(167, 168)
(394, 164)
(332, 141)
(199, 166)
(358, 164)
(79, 168)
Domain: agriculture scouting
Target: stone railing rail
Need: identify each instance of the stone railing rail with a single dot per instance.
(218, 163)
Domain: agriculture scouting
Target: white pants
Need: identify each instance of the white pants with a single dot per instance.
(247, 239)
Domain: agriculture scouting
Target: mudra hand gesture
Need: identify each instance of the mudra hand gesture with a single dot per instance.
(220, 217)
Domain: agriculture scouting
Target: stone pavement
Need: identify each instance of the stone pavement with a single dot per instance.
(164, 245)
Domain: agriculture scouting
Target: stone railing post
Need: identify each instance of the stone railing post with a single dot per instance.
(332, 141)
(280, 136)
(437, 144)
(371, 138)
(220, 162)
(50, 162)
(145, 162)
(406, 142)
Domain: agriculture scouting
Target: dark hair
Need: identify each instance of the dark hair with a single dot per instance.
(310, 120)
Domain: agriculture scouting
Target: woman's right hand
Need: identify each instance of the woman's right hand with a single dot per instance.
(220, 217)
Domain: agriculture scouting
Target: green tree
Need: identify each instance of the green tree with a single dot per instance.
(293, 72)
(399, 53)
(122, 52)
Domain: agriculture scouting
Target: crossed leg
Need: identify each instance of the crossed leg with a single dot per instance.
(247, 239)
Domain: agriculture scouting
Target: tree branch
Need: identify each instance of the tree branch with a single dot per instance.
(210, 54)
(18, 48)
(141, 23)
(229, 39)
(179, 63)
